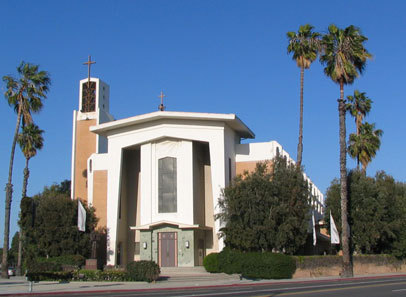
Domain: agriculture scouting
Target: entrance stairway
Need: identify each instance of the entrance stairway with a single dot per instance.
(192, 274)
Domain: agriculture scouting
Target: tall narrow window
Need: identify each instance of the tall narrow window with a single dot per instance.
(167, 188)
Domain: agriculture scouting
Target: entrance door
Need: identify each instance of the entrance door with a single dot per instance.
(168, 249)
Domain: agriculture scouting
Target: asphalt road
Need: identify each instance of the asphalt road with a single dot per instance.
(382, 287)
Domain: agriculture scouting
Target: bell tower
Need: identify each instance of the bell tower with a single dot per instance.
(93, 110)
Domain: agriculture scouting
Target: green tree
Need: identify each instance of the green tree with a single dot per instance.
(13, 252)
(344, 56)
(25, 94)
(377, 208)
(358, 106)
(363, 147)
(304, 45)
(266, 209)
(49, 223)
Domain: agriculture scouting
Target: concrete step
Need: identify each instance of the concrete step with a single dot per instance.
(193, 274)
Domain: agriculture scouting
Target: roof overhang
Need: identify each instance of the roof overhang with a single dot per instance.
(230, 119)
(166, 223)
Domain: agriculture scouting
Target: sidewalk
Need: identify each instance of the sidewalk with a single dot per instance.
(20, 286)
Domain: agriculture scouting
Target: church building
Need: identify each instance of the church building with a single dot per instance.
(155, 179)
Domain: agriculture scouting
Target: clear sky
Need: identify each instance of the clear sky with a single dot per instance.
(207, 56)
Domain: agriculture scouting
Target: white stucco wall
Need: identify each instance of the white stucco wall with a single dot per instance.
(182, 151)
(145, 135)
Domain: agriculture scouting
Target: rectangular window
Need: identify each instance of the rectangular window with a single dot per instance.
(167, 185)
(137, 248)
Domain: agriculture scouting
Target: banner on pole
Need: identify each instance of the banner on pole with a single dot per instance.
(314, 230)
(81, 217)
(335, 238)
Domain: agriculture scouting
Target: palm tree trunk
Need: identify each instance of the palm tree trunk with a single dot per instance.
(300, 144)
(24, 194)
(345, 237)
(9, 196)
(26, 175)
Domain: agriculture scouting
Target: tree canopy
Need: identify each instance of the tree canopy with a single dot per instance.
(377, 208)
(49, 222)
(267, 209)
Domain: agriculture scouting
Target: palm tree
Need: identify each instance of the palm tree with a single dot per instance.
(304, 45)
(344, 56)
(25, 94)
(359, 106)
(364, 146)
(30, 140)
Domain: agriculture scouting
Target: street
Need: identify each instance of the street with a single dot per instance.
(371, 287)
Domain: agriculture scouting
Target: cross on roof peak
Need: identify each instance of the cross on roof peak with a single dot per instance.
(161, 107)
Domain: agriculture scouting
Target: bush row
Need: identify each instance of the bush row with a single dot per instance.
(251, 264)
(136, 271)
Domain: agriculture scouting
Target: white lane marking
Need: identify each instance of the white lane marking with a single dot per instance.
(399, 290)
(287, 289)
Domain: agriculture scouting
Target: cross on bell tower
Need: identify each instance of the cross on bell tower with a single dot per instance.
(89, 90)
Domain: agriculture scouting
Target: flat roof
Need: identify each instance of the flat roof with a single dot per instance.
(230, 119)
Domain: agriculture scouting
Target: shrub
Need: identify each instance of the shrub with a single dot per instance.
(143, 271)
(230, 261)
(211, 263)
(252, 264)
(49, 275)
(97, 275)
(36, 266)
(74, 260)
(268, 265)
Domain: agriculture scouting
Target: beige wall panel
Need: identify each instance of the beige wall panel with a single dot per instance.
(249, 166)
(100, 196)
(85, 146)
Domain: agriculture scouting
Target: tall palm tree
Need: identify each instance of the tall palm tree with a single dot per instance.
(304, 45)
(30, 140)
(358, 106)
(344, 56)
(364, 146)
(25, 94)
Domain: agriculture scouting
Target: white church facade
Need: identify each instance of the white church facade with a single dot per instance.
(155, 179)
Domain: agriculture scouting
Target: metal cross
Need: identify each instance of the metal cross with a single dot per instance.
(161, 107)
(89, 63)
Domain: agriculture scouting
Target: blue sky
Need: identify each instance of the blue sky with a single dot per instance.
(207, 56)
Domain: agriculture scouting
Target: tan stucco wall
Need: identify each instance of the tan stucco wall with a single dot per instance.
(211, 237)
(100, 196)
(249, 166)
(85, 145)
(129, 197)
(359, 269)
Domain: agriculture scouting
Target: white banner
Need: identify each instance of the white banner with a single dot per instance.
(81, 217)
(335, 238)
(314, 230)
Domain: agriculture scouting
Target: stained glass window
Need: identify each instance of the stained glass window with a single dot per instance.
(167, 185)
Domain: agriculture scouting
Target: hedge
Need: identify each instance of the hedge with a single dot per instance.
(143, 271)
(252, 264)
(211, 263)
(49, 270)
(98, 275)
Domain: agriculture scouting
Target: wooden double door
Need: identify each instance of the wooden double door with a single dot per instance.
(168, 249)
